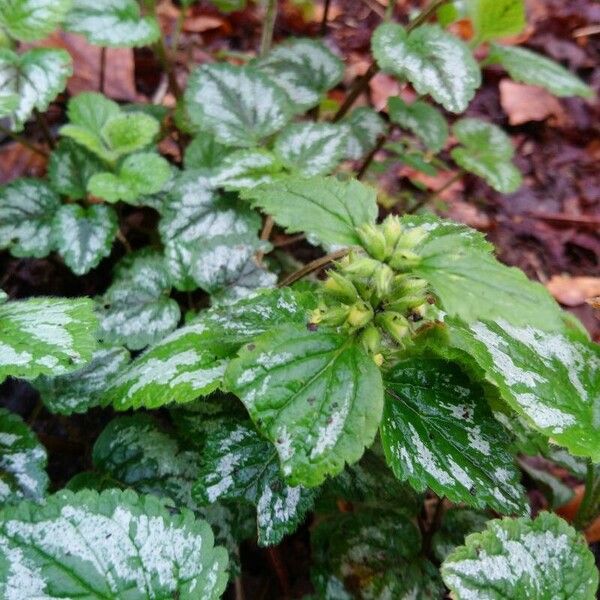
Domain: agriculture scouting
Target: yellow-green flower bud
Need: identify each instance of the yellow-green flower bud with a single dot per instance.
(371, 339)
(360, 315)
(384, 278)
(404, 259)
(411, 238)
(362, 267)
(395, 324)
(341, 287)
(335, 316)
(406, 303)
(392, 229)
(373, 241)
(405, 285)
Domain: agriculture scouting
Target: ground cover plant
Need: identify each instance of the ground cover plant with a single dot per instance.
(276, 353)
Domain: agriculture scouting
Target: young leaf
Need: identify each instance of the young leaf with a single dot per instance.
(371, 554)
(22, 461)
(112, 23)
(550, 378)
(84, 236)
(496, 18)
(31, 81)
(140, 174)
(434, 61)
(471, 284)
(80, 390)
(311, 148)
(316, 395)
(188, 363)
(204, 152)
(29, 20)
(27, 208)
(239, 105)
(193, 214)
(305, 69)
(45, 336)
(521, 558)
(245, 169)
(365, 126)
(110, 545)
(237, 464)
(438, 432)
(325, 207)
(486, 151)
(457, 523)
(137, 310)
(422, 119)
(529, 67)
(70, 168)
(99, 125)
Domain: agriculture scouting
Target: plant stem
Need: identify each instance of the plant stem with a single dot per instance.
(21, 140)
(266, 38)
(323, 29)
(589, 508)
(314, 265)
(43, 125)
(102, 82)
(369, 158)
(433, 195)
(361, 83)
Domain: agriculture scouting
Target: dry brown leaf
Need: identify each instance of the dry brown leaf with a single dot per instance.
(382, 87)
(524, 103)
(18, 161)
(573, 291)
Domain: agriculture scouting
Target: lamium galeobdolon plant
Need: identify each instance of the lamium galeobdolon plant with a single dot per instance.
(391, 398)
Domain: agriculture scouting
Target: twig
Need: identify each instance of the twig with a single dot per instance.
(266, 38)
(589, 508)
(102, 82)
(21, 140)
(436, 521)
(433, 195)
(280, 571)
(43, 125)
(239, 588)
(121, 237)
(369, 158)
(323, 29)
(290, 240)
(361, 83)
(314, 265)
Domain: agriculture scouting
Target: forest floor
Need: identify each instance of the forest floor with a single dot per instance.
(550, 228)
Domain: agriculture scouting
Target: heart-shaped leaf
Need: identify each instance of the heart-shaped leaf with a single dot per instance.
(496, 18)
(366, 126)
(29, 20)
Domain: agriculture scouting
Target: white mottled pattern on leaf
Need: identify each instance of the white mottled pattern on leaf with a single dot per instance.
(434, 61)
(111, 545)
(304, 68)
(29, 20)
(520, 558)
(438, 432)
(27, 207)
(312, 148)
(33, 80)
(245, 168)
(365, 127)
(45, 336)
(22, 461)
(113, 23)
(239, 105)
(315, 394)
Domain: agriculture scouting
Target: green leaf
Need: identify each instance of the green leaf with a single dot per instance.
(100, 125)
(529, 67)
(80, 390)
(226, 6)
(486, 151)
(438, 432)
(311, 148)
(45, 336)
(496, 18)
(434, 61)
(70, 168)
(549, 378)
(28, 20)
(324, 207)
(365, 126)
(305, 69)
(112, 545)
(245, 169)
(204, 152)
(237, 464)
(116, 23)
(84, 236)
(556, 492)
(520, 558)
(137, 310)
(27, 208)
(193, 214)
(22, 461)
(422, 119)
(470, 283)
(31, 81)
(189, 362)
(371, 554)
(316, 395)
(457, 523)
(240, 106)
(139, 174)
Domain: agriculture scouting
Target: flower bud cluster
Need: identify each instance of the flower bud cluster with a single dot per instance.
(373, 290)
